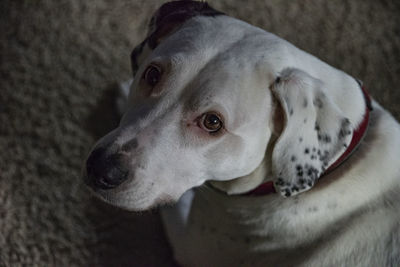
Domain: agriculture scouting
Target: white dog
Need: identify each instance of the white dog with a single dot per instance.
(297, 166)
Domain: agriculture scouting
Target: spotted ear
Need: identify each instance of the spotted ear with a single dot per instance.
(315, 134)
(164, 22)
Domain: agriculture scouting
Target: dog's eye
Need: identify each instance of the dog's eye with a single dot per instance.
(211, 122)
(152, 75)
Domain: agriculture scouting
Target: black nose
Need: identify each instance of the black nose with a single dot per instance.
(105, 171)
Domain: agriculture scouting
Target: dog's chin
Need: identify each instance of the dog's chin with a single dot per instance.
(132, 204)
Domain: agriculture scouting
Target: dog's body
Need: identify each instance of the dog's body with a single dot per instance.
(217, 100)
(351, 218)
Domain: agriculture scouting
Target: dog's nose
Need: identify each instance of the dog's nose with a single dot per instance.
(105, 171)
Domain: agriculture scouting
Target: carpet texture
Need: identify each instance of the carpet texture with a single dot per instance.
(60, 62)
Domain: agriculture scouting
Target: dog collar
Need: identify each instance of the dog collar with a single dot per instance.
(358, 135)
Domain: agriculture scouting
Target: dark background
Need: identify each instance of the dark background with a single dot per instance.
(59, 64)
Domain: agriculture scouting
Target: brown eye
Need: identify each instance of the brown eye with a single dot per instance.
(211, 122)
(152, 75)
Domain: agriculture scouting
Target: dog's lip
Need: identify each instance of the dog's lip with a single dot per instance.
(103, 196)
(104, 185)
(96, 194)
(106, 196)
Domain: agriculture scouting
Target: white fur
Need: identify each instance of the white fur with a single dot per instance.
(350, 218)
(347, 218)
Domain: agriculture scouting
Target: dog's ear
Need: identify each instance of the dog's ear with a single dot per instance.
(165, 21)
(315, 132)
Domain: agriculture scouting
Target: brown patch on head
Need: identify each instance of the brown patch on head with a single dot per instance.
(130, 145)
(173, 14)
(164, 22)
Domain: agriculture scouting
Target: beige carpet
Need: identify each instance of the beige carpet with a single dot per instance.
(60, 61)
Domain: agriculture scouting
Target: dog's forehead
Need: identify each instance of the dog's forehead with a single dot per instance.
(203, 41)
(221, 80)
(215, 56)
(201, 32)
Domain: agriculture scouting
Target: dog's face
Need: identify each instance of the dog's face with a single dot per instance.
(200, 108)
(189, 120)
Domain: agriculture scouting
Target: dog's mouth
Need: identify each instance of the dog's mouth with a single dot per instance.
(111, 199)
(129, 196)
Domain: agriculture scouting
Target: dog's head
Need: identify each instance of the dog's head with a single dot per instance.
(206, 104)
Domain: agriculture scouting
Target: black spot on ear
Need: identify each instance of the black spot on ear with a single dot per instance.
(327, 139)
(278, 79)
(306, 151)
(324, 157)
(324, 138)
(344, 128)
(318, 103)
(287, 193)
(299, 170)
(293, 158)
(279, 181)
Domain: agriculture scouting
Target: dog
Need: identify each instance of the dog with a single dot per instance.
(259, 153)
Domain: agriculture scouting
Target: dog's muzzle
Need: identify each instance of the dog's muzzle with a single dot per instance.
(104, 170)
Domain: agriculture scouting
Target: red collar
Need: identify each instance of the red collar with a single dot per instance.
(358, 136)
